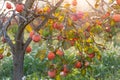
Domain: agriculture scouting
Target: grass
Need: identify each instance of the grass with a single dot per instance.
(106, 69)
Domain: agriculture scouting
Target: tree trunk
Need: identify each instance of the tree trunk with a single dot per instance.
(18, 62)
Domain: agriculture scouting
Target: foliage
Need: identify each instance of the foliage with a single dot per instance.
(106, 69)
(61, 35)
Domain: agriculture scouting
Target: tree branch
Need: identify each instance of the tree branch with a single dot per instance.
(29, 3)
(93, 7)
(13, 0)
(49, 15)
(4, 31)
(43, 22)
(1, 25)
(22, 24)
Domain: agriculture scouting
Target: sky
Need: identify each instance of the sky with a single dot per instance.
(82, 4)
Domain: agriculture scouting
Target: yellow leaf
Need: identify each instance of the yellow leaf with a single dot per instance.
(1, 50)
(45, 8)
(89, 40)
(73, 9)
(29, 28)
(112, 23)
(58, 77)
(41, 31)
(57, 14)
(80, 30)
(61, 18)
(99, 56)
(97, 3)
(41, 54)
(69, 22)
(86, 14)
(87, 24)
(67, 5)
(50, 21)
(83, 71)
(111, 1)
(85, 49)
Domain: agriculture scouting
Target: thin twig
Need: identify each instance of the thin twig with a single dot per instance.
(93, 7)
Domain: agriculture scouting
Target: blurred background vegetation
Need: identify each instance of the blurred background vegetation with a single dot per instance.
(108, 68)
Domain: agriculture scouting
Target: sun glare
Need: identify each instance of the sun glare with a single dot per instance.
(82, 5)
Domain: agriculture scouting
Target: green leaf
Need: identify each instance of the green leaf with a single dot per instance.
(90, 50)
(8, 54)
(46, 32)
(96, 29)
(70, 34)
(91, 78)
(117, 39)
(89, 68)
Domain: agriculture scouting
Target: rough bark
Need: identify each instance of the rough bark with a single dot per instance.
(29, 3)
(18, 62)
(18, 59)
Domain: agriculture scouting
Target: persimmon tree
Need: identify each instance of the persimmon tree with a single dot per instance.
(61, 24)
